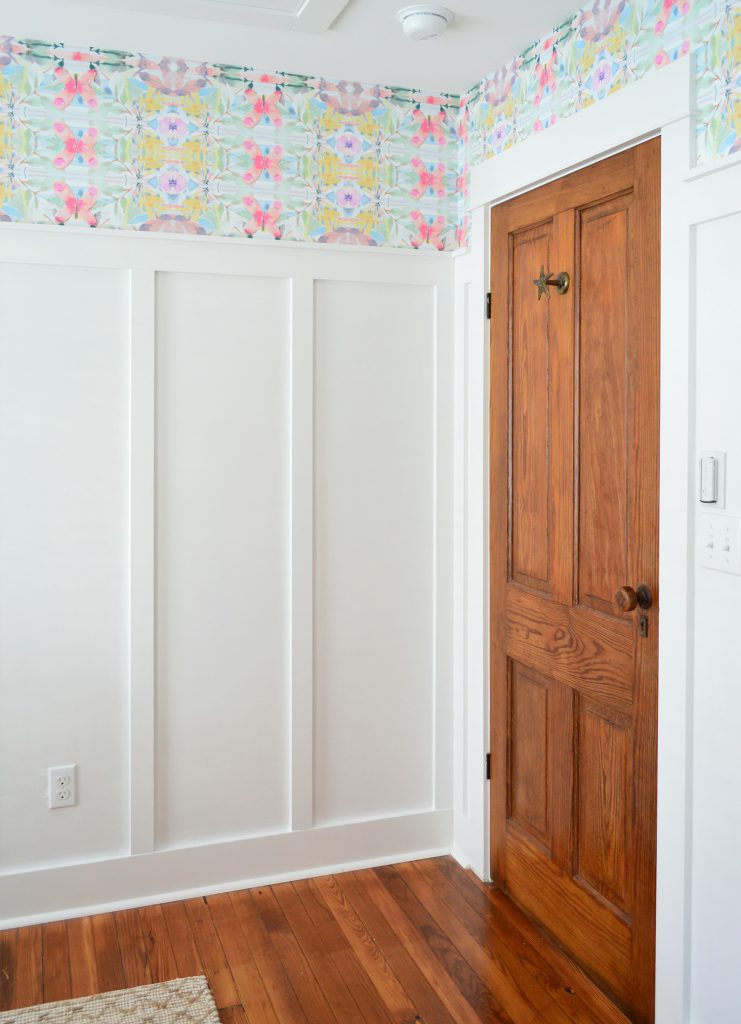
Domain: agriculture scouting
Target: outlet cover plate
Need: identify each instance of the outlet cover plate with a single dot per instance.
(63, 786)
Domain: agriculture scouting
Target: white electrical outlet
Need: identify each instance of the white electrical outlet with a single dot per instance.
(720, 543)
(63, 786)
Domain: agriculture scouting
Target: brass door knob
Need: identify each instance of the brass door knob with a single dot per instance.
(627, 599)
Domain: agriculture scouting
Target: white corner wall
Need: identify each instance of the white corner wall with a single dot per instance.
(226, 495)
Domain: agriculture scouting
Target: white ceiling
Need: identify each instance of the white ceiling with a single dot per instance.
(355, 39)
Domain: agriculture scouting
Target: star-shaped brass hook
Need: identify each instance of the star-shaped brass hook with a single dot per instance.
(547, 280)
(542, 282)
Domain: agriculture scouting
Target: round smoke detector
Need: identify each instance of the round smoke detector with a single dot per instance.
(424, 21)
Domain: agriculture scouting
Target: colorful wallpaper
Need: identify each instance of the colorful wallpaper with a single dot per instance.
(102, 138)
(122, 140)
(606, 45)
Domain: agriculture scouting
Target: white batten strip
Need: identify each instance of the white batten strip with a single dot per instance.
(302, 552)
(142, 561)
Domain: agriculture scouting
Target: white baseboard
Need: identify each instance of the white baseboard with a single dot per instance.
(75, 890)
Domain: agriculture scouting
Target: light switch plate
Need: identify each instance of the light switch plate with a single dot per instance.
(720, 543)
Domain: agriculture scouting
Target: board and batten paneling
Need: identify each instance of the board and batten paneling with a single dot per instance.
(64, 421)
(222, 541)
(226, 564)
(375, 351)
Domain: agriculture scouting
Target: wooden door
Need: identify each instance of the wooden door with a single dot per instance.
(574, 518)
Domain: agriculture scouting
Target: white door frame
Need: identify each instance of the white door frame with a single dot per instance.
(659, 104)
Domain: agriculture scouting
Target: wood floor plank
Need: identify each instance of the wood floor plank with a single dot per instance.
(366, 948)
(27, 983)
(82, 968)
(8, 946)
(131, 945)
(158, 950)
(211, 953)
(250, 987)
(338, 995)
(233, 1015)
(335, 941)
(447, 987)
(333, 937)
(107, 954)
(182, 940)
(401, 959)
(275, 979)
(57, 983)
(298, 969)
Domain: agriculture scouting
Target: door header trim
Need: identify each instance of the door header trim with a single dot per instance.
(628, 117)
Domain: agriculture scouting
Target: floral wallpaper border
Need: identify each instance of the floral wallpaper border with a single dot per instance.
(106, 138)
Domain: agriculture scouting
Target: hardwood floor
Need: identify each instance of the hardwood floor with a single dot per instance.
(424, 942)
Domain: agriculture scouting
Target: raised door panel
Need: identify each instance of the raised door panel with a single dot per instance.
(530, 412)
(603, 345)
(528, 752)
(603, 803)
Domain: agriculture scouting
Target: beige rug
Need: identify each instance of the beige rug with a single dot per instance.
(184, 1001)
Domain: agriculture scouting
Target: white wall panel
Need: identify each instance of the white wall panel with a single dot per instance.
(375, 352)
(64, 419)
(222, 539)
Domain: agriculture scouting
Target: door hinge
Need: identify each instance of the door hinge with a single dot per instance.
(488, 305)
(488, 766)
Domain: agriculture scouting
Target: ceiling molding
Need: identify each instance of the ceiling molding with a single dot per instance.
(284, 15)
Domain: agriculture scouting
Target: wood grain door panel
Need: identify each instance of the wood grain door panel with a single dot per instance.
(590, 653)
(529, 775)
(574, 517)
(531, 520)
(603, 751)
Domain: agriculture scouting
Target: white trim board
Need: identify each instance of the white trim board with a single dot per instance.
(307, 15)
(625, 118)
(260, 242)
(660, 103)
(96, 887)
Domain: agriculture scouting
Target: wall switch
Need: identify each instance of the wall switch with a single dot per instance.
(720, 543)
(708, 479)
(713, 479)
(63, 786)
